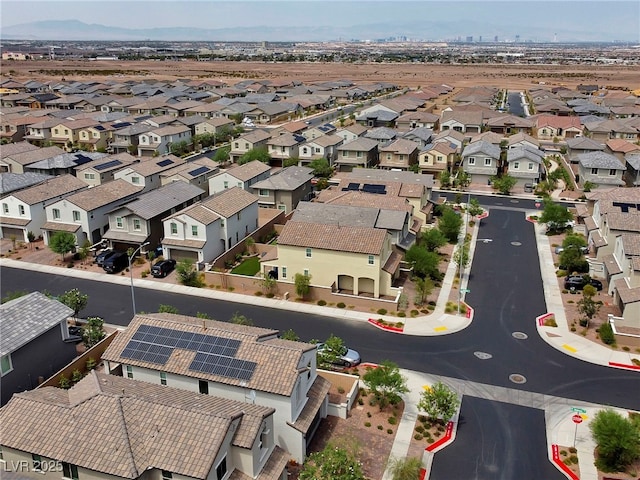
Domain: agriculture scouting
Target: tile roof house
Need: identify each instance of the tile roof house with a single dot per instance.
(205, 230)
(525, 164)
(548, 127)
(285, 189)
(243, 176)
(608, 129)
(419, 119)
(16, 162)
(600, 168)
(435, 158)
(23, 211)
(421, 135)
(469, 122)
(451, 136)
(324, 146)
(400, 154)
(156, 431)
(480, 160)
(579, 145)
(103, 169)
(285, 146)
(361, 152)
(238, 362)
(11, 182)
(127, 138)
(147, 172)
(508, 124)
(351, 132)
(34, 343)
(160, 140)
(632, 175)
(248, 141)
(140, 220)
(196, 172)
(85, 213)
(64, 163)
(619, 148)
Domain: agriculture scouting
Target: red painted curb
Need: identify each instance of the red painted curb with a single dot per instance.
(367, 364)
(469, 313)
(531, 220)
(443, 440)
(563, 468)
(485, 214)
(389, 328)
(423, 473)
(624, 365)
(542, 318)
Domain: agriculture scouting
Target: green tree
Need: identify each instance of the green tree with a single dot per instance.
(13, 295)
(75, 300)
(425, 263)
(222, 155)
(474, 208)
(449, 224)
(445, 179)
(332, 463)
(303, 284)
(93, 331)
(62, 242)
(179, 148)
(290, 162)
(240, 319)
(188, 273)
(236, 117)
(204, 139)
(321, 167)
(554, 215)
(504, 184)
(588, 186)
(329, 356)
(572, 259)
(322, 183)
(463, 179)
(587, 306)
(617, 438)
(461, 256)
(439, 402)
(83, 253)
(424, 287)
(151, 256)
(386, 383)
(433, 239)
(260, 153)
(290, 335)
(164, 308)
(405, 468)
(268, 284)
(574, 240)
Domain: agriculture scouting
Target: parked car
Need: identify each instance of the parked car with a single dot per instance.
(554, 226)
(346, 358)
(116, 262)
(100, 258)
(578, 282)
(584, 250)
(163, 268)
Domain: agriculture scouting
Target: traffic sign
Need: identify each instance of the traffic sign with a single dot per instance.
(578, 410)
(576, 418)
(465, 290)
(537, 204)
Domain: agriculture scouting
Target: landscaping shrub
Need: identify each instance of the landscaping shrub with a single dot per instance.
(393, 420)
(414, 313)
(367, 424)
(321, 303)
(269, 295)
(550, 322)
(417, 436)
(380, 427)
(340, 305)
(382, 311)
(606, 334)
(258, 293)
(389, 431)
(402, 314)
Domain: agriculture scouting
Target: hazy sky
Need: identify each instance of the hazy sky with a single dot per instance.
(621, 17)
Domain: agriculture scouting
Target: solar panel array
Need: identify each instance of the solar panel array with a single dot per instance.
(198, 171)
(352, 187)
(214, 355)
(625, 206)
(164, 163)
(109, 164)
(82, 159)
(372, 188)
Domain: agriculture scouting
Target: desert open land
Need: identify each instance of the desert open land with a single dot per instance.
(404, 74)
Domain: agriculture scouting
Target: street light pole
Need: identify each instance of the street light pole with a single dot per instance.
(133, 297)
(461, 251)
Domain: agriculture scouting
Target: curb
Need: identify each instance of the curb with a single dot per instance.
(444, 441)
(541, 319)
(624, 365)
(559, 464)
(388, 328)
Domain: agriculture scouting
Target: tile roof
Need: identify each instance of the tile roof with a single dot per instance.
(289, 179)
(248, 170)
(618, 194)
(401, 146)
(631, 244)
(151, 166)
(600, 160)
(10, 182)
(360, 144)
(392, 263)
(333, 237)
(26, 318)
(15, 148)
(624, 222)
(229, 201)
(363, 199)
(483, 147)
(387, 176)
(255, 136)
(349, 216)
(316, 396)
(67, 160)
(149, 426)
(612, 265)
(49, 189)
(104, 194)
(31, 156)
(277, 361)
(627, 294)
(150, 204)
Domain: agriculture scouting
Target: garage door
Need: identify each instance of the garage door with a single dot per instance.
(182, 254)
(8, 232)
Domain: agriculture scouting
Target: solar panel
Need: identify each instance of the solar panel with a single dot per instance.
(82, 159)
(353, 186)
(198, 171)
(109, 164)
(223, 366)
(164, 163)
(625, 206)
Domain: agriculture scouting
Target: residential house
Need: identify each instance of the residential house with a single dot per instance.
(361, 152)
(85, 213)
(214, 126)
(324, 146)
(64, 163)
(283, 147)
(16, 162)
(525, 164)
(509, 124)
(522, 140)
(95, 138)
(418, 119)
(451, 137)
(104, 169)
(423, 136)
(632, 175)
(34, 344)
(147, 173)
(23, 211)
(436, 158)
(319, 131)
(619, 148)
(608, 129)
(162, 432)
(197, 172)
(243, 176)
(401, 154)
(346, 259)
(469, 122)
(352, 132)
(16, 128)
(549, 127)
(600, 169)
(12, 182)
(382, 135)
(160, 140)
(66, 134)
(140, 220)
(249, 141)
(285, 189)
(624, 278)
(205, 230)
(260, 369)
(490, 137)
(580, 145)
(377, 116)
(126, 139)
(13, 149)
(481, 160)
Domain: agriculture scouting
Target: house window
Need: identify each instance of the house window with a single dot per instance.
(5, 208)
(69, 471)
(129, 371)
(56, 214)
(594, 171)
(487, 162)
(317, 149)
(239, 184)
(221, 469)
(238, 216)
(439, 158)
(471, 161)
(388, 156)
(89, 176)
(76, 216)
(305, 272)
(222, 222)
(530, 166)
(5, 364)
(166, 475)
(174, 228)
(371, 260)
(136, 224)
(21, 208)
(263, 192)
(263, 444)
(284, 272)
(135, 180)
(236, 145)
(282, 207)
(358, 154)
(612, 173)
(37, 462)
(203, 386)
(307, 253)
(225, 184)
(516, 165)
(163, 378)
(246, 146)
(56, 131)
(194, 230)
(119, 222)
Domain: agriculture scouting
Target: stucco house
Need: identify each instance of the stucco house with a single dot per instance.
(237, 362)
(147, 172)
(480, 160)
(436, 158)
(103, 169)
(158, 432)
(17, 162)
(285, 189)
(127, 138)
(197, 173)
(159, 141)
(469, 121)
(243, 176)
(351, 132)
(205, 230)
(324, 146)
(418, 119)
(632, 175)
(248, 141)
(525, 164)
(548, 127)
(285, 146)
(600, 168)
(23, 211)
(361, 152)
(400, 154)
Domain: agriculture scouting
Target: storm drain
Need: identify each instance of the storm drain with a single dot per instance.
(517, 378)
(483, 355)
(520, 335)
(516, 244)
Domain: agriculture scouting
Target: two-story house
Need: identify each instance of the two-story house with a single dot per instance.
(481, 161)
(600, 169)
(608, 129)
(632, 175)
(103, 170)
(418, 119)
(198, 172)
(147, 173)
(324, 146)
(34, 343)
(205, 230)
(16, 162)
(67, 133)
(213, 126)
(237, 362)
(85, 213)
(243, 176)
(400, 154)
(40, 132)
(65, 163)
(23, 211)
(421, 135)
(285, 146)
(436, 158)
(319, 131)
(525, 164)
(361, 152)
(285, 189)
(95, 138)
(126, 139)
(160, 140)
(157, 432)
(549, 127)
(352, 132)
(248, 141)
(624, 284)
(140, 220)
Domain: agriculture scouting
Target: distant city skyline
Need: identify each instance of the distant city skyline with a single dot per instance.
(562, 21)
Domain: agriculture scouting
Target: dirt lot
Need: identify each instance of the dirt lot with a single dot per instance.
(404, 74)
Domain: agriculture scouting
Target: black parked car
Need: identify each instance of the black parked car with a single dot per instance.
(163, 268)
(115, 262)
(100, 258)
(578, 282)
